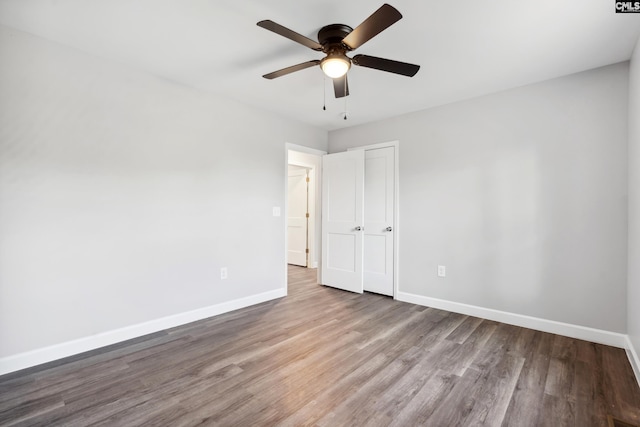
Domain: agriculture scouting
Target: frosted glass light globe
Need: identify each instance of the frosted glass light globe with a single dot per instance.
(335, 66)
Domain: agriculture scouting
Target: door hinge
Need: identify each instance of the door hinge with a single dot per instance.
(306, 251)
(307, 179)
(307, 214)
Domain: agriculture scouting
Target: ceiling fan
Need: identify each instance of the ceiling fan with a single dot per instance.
(336, 40)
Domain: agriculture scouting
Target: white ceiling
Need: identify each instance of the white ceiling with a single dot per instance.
(466, 48)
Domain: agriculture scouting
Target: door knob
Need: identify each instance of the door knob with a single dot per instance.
(389, 229)
(358, 228)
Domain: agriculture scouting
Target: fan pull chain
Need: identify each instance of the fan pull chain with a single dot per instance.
(324, 92)
(345, 98)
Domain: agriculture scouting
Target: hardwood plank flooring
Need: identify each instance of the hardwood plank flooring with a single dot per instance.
(326, 357)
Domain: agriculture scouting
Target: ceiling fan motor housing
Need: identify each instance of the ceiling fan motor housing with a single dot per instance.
(330, 37)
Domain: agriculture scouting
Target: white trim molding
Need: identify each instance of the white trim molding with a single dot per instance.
(70, 348)
(574, 331)
(634, 360)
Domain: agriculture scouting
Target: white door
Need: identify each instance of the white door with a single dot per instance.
(297, 217)
(342, 220)
(379, 195)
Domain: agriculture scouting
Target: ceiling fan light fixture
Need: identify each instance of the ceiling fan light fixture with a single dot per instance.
(335, 65)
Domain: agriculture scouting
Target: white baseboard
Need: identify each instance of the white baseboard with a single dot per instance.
(574, 331)
(70, 348)
(632, 354)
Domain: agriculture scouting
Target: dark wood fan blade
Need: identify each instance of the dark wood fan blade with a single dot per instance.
(379, 21)
(388, 65)
(341, 86)
(290, 34)
(291, 69)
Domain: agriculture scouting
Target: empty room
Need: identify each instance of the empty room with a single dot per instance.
(320, 213)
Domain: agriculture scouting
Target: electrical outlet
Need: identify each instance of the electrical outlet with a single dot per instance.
(223, 273)
(442, 271)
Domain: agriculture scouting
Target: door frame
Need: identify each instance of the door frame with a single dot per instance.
(315, 172)
(396, 204)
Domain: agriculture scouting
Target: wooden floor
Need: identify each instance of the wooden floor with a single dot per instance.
(330, 358)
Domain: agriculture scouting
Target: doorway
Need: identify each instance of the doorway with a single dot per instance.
(298, 216)
(310, 160)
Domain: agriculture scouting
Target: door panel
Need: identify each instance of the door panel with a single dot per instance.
(297, 218)
(375, 255)
(379, 200)
(342, 183)
(341, 249)
(375, 191)
(342, 214)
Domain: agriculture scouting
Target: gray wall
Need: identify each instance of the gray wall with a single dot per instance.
(122, 195)
(521, 194)
(633, 298)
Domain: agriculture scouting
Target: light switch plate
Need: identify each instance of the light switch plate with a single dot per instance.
(276, 211)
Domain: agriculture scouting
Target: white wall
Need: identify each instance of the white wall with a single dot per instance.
(521, 194)
(122, 195)
(633, 298)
